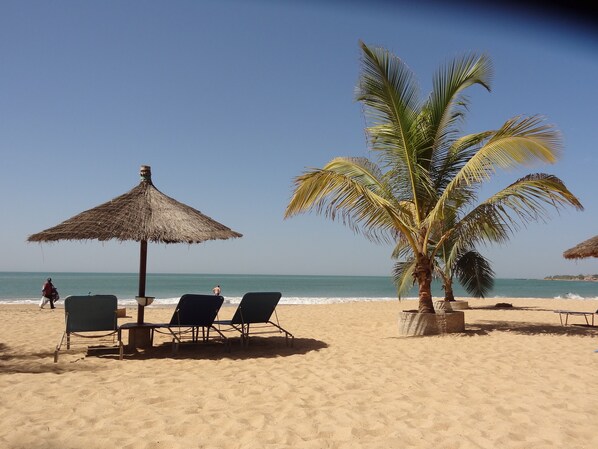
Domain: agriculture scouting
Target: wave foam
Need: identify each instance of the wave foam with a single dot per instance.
(291, 300)
(572, 296)
(232, 300)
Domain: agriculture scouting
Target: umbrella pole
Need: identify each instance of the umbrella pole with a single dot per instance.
(142, 269)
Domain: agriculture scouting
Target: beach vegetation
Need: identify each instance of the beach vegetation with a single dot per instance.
(420, 192)
(472, 270)
(572, 277)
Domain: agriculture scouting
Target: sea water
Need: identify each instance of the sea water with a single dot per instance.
(25, 288)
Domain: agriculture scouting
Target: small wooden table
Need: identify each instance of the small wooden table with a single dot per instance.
(566, 313)
(140, 335)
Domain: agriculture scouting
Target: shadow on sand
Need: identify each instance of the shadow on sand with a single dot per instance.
(513, 308)
(42, 361)
(529, 328)
(269, 347)
(38, 362)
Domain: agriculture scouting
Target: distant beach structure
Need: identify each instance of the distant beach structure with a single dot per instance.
(578, 277)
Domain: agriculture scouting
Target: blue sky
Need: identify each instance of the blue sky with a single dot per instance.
(228, 101)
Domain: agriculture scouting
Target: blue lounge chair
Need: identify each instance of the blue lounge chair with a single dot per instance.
(93, 316)
(253, 315)
(192, 313)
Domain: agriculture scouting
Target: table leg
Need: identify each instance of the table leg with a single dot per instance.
(140, 337)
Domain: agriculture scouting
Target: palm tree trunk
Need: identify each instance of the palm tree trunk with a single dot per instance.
(448, 290)
(423, 274)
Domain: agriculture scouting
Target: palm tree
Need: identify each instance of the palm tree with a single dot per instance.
(473, 271)
(423, 191)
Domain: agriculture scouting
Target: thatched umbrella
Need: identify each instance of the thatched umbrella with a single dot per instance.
(144, 214)
(588, 248)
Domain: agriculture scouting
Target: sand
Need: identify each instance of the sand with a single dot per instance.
(515, 379)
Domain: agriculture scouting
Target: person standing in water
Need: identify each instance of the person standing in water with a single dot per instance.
(217, 290)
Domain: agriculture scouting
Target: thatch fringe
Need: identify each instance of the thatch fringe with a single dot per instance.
(588, 248)
(142, 214)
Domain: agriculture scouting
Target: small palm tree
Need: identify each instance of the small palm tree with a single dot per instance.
(422, 193)
(473, 271)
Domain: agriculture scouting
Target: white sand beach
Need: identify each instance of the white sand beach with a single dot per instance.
(515, 379)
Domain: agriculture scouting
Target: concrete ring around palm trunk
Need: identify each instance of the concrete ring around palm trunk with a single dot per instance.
(443, 306)
(412, 323)
(459, 304)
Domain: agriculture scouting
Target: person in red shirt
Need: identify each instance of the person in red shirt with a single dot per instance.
(47, 294)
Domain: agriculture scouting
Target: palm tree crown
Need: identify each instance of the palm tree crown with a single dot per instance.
(422, 194)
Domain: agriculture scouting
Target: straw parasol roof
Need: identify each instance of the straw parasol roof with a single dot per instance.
(588, 248)
(144, 214)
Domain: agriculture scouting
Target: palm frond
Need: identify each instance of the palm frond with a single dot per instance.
(526, 200)
(350, 189)
(475, 273)
(529, 197)
(447, 103)
(402, 274)
(389, 93)
(452, 161)
(402, 249)
(388, 89)
(520, 141)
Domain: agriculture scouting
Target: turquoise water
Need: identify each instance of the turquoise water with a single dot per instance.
(167, 288)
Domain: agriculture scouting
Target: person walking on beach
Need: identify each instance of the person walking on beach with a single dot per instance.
(47, 294)
(217, 290)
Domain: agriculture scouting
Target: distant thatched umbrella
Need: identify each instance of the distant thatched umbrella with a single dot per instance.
(143, 214)
(588, 248)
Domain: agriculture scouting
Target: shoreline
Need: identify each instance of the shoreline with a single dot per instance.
(233, 301)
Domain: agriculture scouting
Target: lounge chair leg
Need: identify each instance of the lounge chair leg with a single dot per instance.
(286, 339)
(58, 346)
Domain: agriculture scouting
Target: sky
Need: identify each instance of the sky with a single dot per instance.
(228, 101)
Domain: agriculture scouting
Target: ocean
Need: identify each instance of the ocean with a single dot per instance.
(25, 288)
